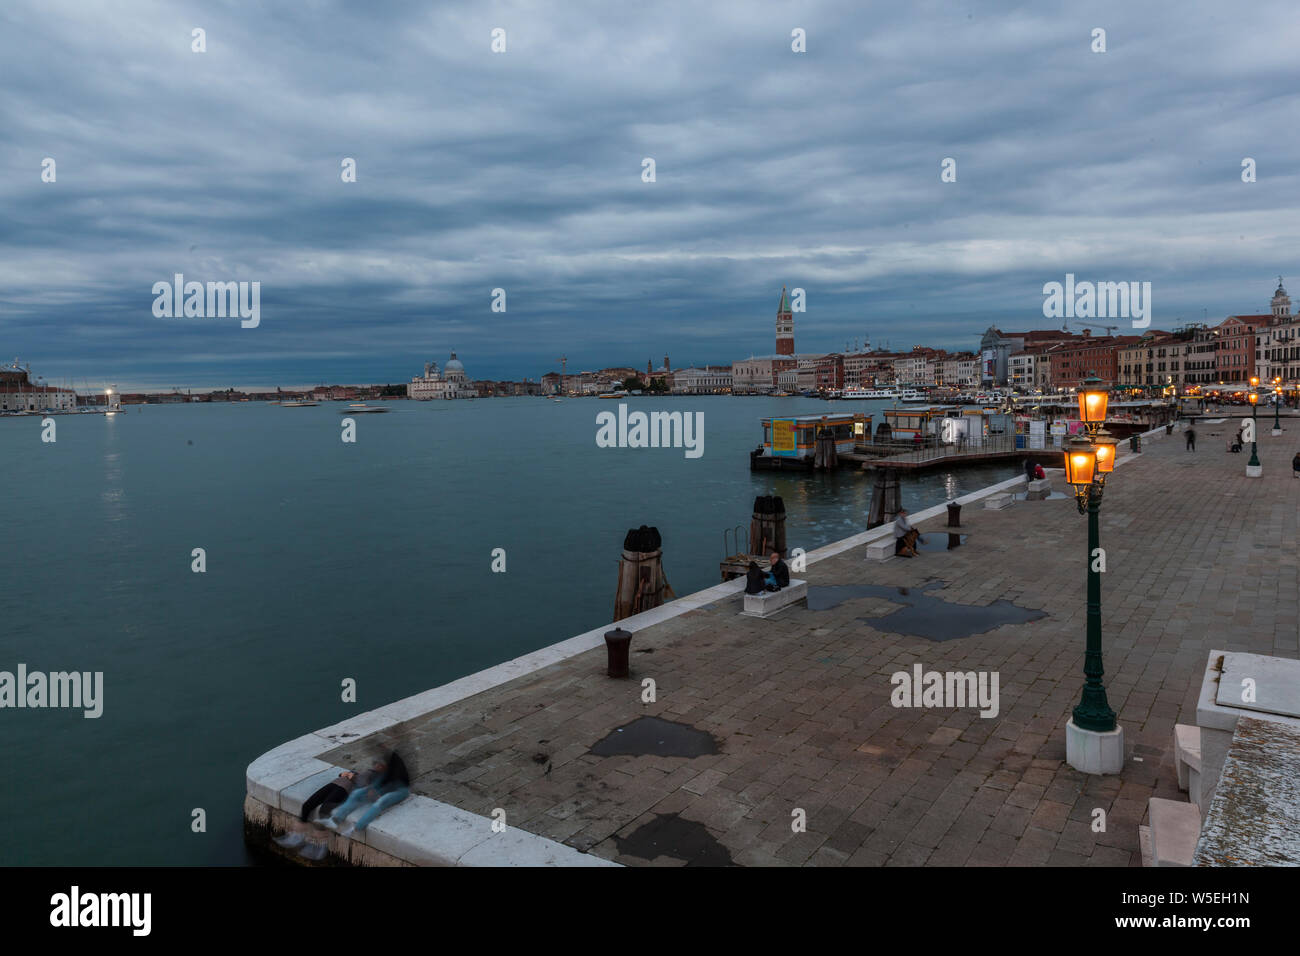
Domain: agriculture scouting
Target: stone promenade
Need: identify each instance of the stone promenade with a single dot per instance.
(796, 709)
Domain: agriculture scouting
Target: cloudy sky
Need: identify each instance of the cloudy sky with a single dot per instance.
(522, 170)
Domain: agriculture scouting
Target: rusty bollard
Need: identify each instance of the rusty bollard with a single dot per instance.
(954, 515)
(617, 643)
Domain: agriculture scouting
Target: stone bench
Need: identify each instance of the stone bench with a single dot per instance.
(882, 549)
(769, 602)
(998, 502)
(1038, 489)
(1187, 761)
(1174, 829)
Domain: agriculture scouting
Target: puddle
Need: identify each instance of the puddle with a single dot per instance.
(936, 541)
(653, 735)
(922, 615)
(669, 835)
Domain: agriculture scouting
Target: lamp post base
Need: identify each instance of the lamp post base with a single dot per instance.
(1093, 751)
(1275, 432)
(1254, 471)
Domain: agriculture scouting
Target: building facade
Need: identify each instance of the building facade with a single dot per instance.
(450, 383)
(19, 394)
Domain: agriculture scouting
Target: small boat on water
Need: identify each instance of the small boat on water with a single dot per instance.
(297, 404)
(361, 408)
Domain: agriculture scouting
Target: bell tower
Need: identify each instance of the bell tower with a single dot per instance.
(784, 326)
(1281, 303)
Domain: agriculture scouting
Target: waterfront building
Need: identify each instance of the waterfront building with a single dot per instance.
(450, 383)
(996, 348)
(710, 380)
(865, 369)
(958, 371)
(1238, 335)
(1277, 344)
(1030, 369)
(918, 367)
(1072, 362)
(18, 393)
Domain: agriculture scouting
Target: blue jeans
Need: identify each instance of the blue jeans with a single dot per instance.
(394, 796)
(354, 800)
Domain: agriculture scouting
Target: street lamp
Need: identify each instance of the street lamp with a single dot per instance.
(1253, 469)
(1094, 741)
(1277, 406)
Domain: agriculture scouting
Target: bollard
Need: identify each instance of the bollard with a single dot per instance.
(954, 515)
(1134, 443)
(617, 644)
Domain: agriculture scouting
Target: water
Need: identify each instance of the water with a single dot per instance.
(326, 561)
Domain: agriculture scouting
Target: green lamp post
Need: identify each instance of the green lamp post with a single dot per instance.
(1253, 468)
(1094, 740)
(1277, 406)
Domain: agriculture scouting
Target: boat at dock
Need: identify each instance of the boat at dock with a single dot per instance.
(791, 443)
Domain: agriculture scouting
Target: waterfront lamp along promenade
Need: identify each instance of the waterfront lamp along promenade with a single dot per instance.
(798, 708)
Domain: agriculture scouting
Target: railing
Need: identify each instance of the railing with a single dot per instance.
(938, 452)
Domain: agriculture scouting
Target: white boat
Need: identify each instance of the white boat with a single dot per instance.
(873, 394)
(297, 404)
(361, 408)
(911, 395)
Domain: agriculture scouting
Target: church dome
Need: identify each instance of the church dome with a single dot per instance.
(453, 364)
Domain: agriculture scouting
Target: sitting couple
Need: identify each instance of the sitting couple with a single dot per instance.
(777, 577)
(386, 783)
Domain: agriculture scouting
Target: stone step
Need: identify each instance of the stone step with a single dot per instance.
(998, 502)
(1144, 844)
(1175, 827)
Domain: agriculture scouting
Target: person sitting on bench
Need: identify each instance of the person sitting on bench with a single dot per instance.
(905, 536)
(1295, 466)
(778, 574)
(754, 579)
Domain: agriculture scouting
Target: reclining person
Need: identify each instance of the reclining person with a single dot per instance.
(326, 798)
(392, 786)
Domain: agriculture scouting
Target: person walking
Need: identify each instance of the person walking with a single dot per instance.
(1191, 439)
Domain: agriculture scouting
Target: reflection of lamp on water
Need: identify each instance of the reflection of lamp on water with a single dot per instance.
(1094, 742)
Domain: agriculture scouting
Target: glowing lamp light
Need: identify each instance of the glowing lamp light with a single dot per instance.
(1105, 446)
(1254, 398)
(1254, 381)
(1092, 401)
(1080, 462)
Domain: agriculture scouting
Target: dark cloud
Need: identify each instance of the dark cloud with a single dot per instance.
(522, 170)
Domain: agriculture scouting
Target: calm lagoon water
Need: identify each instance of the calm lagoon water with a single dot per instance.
(326, 560)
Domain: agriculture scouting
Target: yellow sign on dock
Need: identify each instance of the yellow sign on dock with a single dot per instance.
(783, 437)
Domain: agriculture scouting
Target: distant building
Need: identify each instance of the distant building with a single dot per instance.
(710, 380)
(19, 394)
(450, 383)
